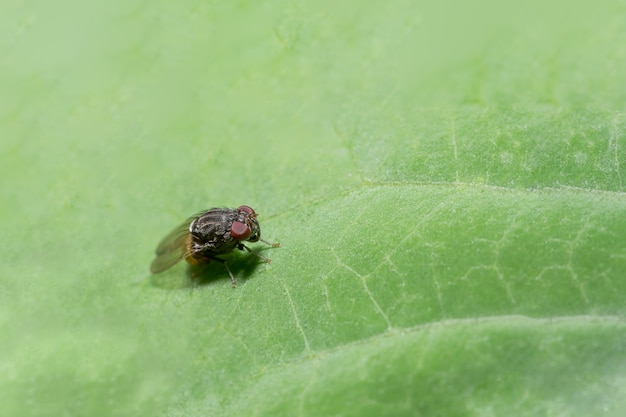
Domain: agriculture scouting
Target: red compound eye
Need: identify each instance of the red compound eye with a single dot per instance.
(246, 209)
(240, 231)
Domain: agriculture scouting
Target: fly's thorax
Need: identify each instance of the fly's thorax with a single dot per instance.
(211, 230)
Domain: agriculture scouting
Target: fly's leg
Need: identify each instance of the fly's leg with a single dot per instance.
(223, 262)
(274, 245)
(202, 260)
(241, 246)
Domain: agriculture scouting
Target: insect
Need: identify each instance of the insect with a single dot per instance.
(205, 235)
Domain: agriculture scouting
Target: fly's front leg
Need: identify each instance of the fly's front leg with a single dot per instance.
(241, 246)
(273, 245)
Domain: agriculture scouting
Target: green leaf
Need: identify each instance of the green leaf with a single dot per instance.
(446, 182)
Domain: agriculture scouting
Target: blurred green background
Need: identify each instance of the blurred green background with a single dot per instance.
(446, 181)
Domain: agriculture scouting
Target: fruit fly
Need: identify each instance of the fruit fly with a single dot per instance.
(204, 236)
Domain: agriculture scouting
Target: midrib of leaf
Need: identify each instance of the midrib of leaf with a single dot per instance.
(528, 147)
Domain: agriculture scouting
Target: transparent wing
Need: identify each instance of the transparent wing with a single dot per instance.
(173, 248)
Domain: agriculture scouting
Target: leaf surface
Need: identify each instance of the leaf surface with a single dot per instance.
(447, 185)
